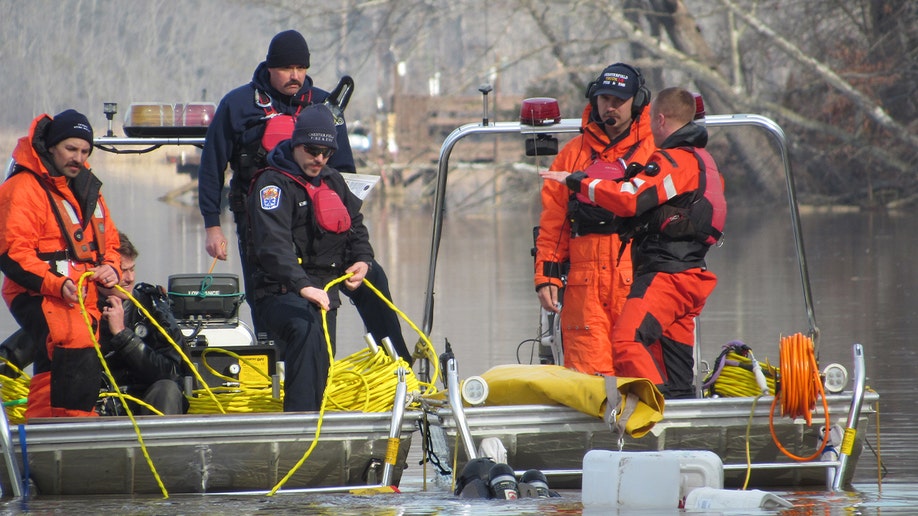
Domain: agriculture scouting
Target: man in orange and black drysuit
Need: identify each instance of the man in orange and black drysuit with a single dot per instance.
(55, 227)
(574, 231)
(675, 211)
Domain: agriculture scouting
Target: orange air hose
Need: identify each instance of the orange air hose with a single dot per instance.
(800, 384)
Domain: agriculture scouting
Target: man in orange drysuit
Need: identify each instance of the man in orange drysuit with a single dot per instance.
(575, 231)
(54, 227)
(676, 209)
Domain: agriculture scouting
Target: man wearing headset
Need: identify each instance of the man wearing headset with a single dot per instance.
(577, 248)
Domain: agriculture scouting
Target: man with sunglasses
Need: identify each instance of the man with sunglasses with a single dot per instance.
(248, 123)
(299, 199)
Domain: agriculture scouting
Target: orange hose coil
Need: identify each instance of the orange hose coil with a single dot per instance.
(800, 384)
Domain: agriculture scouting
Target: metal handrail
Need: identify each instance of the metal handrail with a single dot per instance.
(572, 125)
(111, 144)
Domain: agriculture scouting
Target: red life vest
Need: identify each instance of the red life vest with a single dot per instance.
(714, 195)
(603, 170)
(330, 212)
(279, 127)
(700, 214)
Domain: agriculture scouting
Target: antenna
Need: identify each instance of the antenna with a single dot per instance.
(484, 89)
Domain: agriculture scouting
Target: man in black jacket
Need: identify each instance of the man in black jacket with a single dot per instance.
(307, 230)
(142, 360)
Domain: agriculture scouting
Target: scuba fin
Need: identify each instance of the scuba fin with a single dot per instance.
(473, 481)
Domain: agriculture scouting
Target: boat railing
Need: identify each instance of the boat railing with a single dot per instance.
(128, 144)
(572, 125)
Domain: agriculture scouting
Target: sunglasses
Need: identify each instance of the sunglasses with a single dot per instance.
(317, 150)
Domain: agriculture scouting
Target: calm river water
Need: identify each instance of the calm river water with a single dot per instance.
(862, 271)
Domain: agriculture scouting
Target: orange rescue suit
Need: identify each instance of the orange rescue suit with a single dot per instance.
(41, 246)
(598, 281)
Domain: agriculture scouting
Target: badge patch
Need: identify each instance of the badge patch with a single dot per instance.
(270, 197)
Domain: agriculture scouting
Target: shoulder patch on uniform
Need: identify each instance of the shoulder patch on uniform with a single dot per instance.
(270, 197)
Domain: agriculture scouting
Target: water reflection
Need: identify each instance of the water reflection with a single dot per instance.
(860, 267)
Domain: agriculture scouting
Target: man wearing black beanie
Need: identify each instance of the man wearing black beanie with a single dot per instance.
(69, 124)
(54, 228)
(249, 121)
(300, 198)
(287, 48)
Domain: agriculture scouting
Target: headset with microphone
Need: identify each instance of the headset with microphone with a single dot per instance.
(640, 100)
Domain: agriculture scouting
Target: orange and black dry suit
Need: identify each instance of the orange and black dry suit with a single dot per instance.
(583, 235)
(52, 229)
(676, 209)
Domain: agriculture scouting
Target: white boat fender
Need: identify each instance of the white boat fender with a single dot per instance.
(730, 499)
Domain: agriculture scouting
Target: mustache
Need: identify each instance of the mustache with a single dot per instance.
(293, 82)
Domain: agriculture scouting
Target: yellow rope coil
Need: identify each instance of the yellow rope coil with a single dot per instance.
(737, 381)
(14, 392)
(364, 381)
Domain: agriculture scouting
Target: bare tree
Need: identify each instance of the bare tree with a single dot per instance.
(838, 75)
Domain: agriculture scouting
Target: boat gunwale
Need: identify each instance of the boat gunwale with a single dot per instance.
(186, 429)
(697, 411)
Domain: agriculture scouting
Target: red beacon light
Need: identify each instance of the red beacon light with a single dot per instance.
(540, 111)
(168, 120)
(699, 107)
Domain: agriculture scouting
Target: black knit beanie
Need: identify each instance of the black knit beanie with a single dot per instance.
(316, 126)
(68, 124)
(287, 48)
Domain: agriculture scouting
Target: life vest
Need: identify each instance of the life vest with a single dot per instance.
(79, 247)
(329, 210)
(603, 170)
(277, 127)
(711, 230)
(587, 217)
(699, 215)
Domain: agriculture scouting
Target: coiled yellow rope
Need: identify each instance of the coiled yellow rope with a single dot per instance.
(737, 381)
(364, 381)
(15, 391)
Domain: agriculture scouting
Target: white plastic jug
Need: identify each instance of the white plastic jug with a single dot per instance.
(630, 480)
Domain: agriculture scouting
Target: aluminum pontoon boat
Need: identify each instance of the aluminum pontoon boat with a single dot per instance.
(555, 438)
